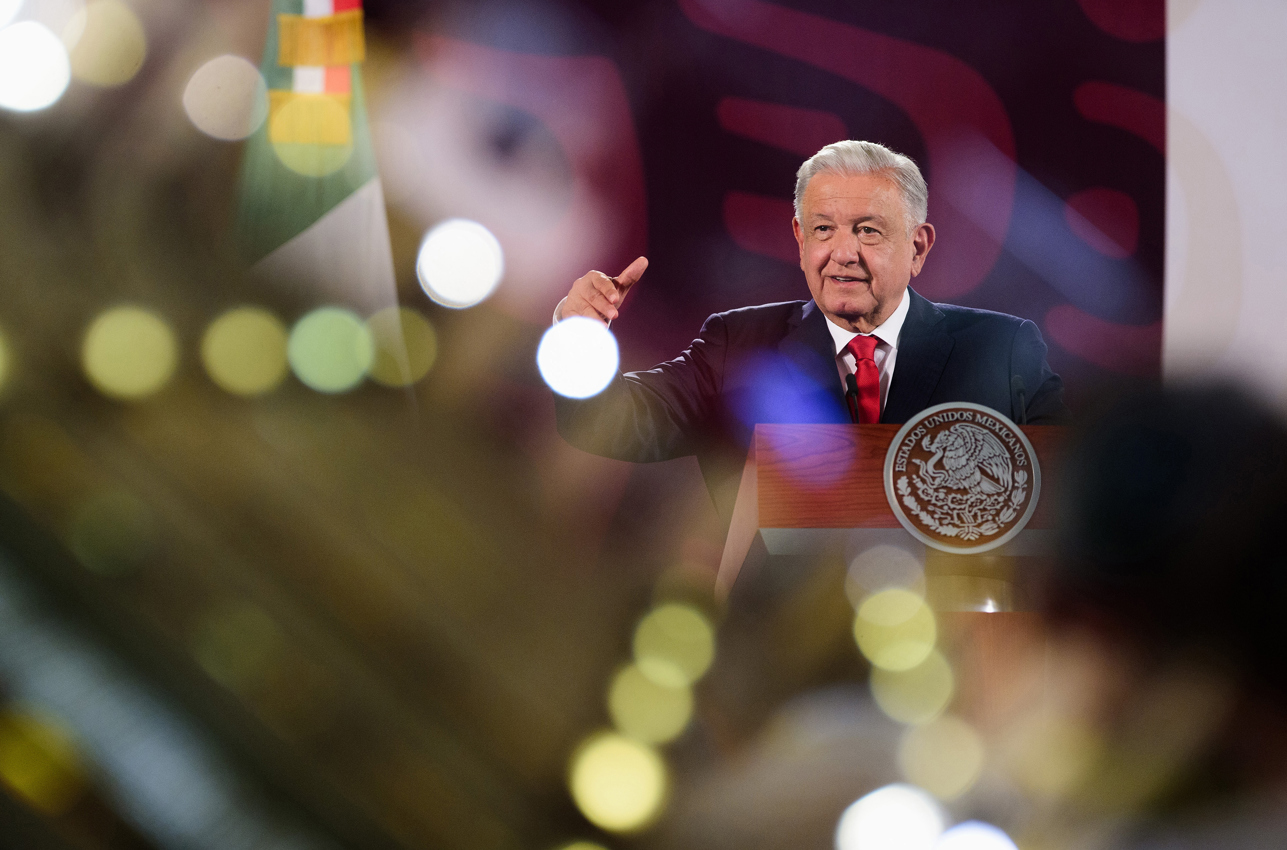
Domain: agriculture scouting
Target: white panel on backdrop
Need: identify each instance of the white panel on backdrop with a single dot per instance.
(1226, 251)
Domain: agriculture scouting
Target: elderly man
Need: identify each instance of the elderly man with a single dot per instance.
(866, 348)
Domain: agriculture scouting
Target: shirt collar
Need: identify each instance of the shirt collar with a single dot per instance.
(888, 331)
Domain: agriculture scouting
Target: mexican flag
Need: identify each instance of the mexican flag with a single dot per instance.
(312, 210)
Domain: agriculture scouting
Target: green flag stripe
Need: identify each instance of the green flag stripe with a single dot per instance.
(278, 203)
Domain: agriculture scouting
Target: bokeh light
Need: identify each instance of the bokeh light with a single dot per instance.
(944, 756)
(896, 817)
(244, 351)
(582, 845)
(975, 835)
(34, 68)
(405, 346)
(56, 15)
(882, 567)
(618, 783)
(330, 350)
(38, 761)
(917, 695)
(578, 357)
(129, 352)
(8, 9)
(460, 263)
(236, 644)
(646, 710)
(895, 629)
(113, 532)
(674, 644)
(106, 42)
(226, 98)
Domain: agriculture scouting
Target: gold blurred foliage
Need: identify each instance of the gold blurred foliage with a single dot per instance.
(41, 465)
(113, 532)
(39, 762)
(429, 808)
(6, 361)
(236, 644)
(1170, 721)
(1049, 756)
(301, 700)
(813, 624)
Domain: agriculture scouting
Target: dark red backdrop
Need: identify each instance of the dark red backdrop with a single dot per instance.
(1040, 127)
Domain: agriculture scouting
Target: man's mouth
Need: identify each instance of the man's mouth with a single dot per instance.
(841, 279)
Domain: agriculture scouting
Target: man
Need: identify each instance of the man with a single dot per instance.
(866, 348)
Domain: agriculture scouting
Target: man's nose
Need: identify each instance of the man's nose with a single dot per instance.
(846, 249)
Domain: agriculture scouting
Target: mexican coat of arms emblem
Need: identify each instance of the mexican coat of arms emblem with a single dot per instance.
(962, 478)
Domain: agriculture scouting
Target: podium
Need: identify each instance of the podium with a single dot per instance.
(807, 489)
(807, 486)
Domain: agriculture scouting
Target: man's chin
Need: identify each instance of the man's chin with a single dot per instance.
(851, 317)
(850, 304)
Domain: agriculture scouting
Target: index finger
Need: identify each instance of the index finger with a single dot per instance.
(630, 274)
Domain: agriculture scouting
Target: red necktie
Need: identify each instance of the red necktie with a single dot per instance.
(863, 348)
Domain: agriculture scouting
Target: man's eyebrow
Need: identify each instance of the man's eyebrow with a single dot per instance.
(872, 217)
(862, 219)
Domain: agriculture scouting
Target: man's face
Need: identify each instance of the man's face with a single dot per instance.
(855, 248)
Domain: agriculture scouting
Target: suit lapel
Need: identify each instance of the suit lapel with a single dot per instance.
(923, 349)
(809, 346)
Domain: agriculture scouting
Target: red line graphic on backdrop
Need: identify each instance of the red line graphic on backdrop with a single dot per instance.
(1129, 349)
(956, 111)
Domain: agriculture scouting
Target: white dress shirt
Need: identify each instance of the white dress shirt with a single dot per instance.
(886, 347)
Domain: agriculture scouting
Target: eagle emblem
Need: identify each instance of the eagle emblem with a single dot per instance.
(962, 478)
(965, 457)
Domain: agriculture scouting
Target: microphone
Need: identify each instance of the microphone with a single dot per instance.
(851, 396)
(1017, 391)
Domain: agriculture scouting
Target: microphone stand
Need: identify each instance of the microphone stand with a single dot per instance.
(851, 396)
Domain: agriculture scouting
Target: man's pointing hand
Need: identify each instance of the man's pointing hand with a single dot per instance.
(598, 296)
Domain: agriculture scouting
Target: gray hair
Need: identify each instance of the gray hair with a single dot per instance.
(851, 157)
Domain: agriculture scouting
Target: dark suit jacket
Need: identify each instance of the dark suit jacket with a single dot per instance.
(777, 363)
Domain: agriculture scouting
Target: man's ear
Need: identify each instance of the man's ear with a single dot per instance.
(922, 241)
(799, 235)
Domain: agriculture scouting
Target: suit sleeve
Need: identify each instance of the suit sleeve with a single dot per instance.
(1044, 389)
(659, 414)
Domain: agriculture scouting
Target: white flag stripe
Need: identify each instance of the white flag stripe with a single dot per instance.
(343, 256)
(309, 79)
(318, 8)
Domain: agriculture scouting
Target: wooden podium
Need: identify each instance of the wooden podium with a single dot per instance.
(805, 487)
